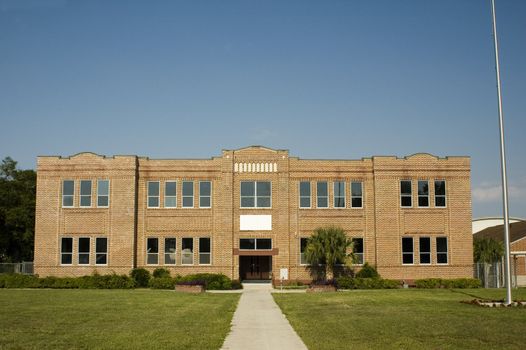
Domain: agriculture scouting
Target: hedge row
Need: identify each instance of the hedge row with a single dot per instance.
(346, 282)
(85, 282)
(429, 283)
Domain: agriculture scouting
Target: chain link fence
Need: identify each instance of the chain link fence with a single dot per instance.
(25, 267)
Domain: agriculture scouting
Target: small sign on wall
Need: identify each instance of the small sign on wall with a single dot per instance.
(255, 222)
(283, 274)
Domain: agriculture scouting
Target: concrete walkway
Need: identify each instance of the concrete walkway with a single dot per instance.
(259, 324)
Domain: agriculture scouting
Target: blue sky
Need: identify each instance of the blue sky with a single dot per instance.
(324, 79)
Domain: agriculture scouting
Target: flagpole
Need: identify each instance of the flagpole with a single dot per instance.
(502, 163)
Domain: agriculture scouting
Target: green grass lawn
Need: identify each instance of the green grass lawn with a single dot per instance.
(404, 319)
(113, 319)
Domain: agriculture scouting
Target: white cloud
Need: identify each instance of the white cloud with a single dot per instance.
(488, 193)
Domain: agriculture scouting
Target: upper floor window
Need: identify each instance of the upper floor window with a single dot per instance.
(358, 250)
(256, 194)
(85, 193)
(188, 194)
(205, 253)
(423, 193)
(103, 193)
(68, 191)
(405, 193)
(441, 250)
(303, 247)
(339, 194)
(205, 194)
(153, 194)
(407, 250)
(170, 194)
(425, 250)
(440, 193)
(66, 251)
(305, 194)
(356, 195)
(322, 195)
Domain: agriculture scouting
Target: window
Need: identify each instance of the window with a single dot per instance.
(66, 251)
(339, 194)
(187, 256)
(407, 250)
(255, 244)
(441, 250)
(322, 195)
(205, 194)
(405, 193)
(423, 193)
(85, 193)
(425, 250)
(68, 190)
(305, 194)
(103, 193)
(170, 194)
(357, 249)
(440, 193)
(101, 251)
(169, 251)
(84, 245)
(356, 195)
(153, 194)
(204, 251)
(303, 246)
(188, 194)
(152, 251)
(256, 194)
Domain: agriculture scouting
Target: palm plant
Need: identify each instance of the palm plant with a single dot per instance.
(487, 251)
(328, 247)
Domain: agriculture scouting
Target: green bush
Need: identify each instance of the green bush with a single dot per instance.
(236, 284)
(15, 280)
(460, 283)
(85, 282)
(161, 272)
(212, 281)
(368, 271)
(346, 282)
(141, 277)
(163, 283)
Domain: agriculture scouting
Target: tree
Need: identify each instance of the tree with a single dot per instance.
(17, 212)
(328, 247)
(487, 251)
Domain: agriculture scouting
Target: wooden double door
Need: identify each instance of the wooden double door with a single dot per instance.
(255, 267)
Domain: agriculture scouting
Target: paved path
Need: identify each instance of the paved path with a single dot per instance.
(259, 324)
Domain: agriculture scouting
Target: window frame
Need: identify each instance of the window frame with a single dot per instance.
(440, 196)
(318, 196)
(209, 196)
(148, 195)
(406, 195)
(191, 254)
(183, 195)
(148, 253)
(300, 196)
(412, 253)
(62, 253)
(362, 254)
(103, 195)
(423, 196)
(256, 244)
(446, 252)
(334, 197)
(360, 196)
(81, 196)
(167, 253)
(420, 252)
(166, 197)
(68, 195)
(205, 253)
(255, 195)
(83, 253)
(105, 253)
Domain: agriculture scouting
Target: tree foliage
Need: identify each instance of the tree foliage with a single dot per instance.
(17, 212)
(487, 250)
(328, 247)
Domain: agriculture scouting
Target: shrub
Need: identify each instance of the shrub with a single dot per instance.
(211, 281)
(368, 271)
(460, 283)
(366, 283)
(236, 285)
(162, 283)
(161, 273)
(18, 281)
(428, 283)
(141, 277)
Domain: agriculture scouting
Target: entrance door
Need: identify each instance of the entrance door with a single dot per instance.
(255, 267)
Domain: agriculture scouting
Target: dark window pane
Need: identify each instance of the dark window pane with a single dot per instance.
(204, 245)
(247, 202)
(103, 187)
(339, 202)
(407, 245)
(152, 259)
(263, 202)
(153, 201)
(101, 245)
(263, 189)
(405, 187)
(188, 244)
(440, 201)
(153, 245)
(204, 259)
(188, 202)
(407, 259)
(170, 188)
(441, 244)
(169, 245)
(66, 258)
(357, 202)
(153, 188)
(67, 245)
(303, 244)
(304, 189)
(102, 201)
(321, 189)
(423, 188)
(264, 243)
(339, 189)
(423, 201)
(205, 188)
(188, 188)
(85, 188)
(406, 201)
(84, 245)
(425, 244)
(305, 202)
(204, 202)
(356, 189)
(322, 202)
(247, 189)
(247, 243)
(101, 259)
(440, 188)
(425, 258)
(68, 187)
(357, 245)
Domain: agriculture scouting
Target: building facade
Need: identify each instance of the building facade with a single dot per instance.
(248, 213)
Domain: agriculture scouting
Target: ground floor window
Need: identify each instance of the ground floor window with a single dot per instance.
(66, 251)
(170, 245)
(358, 250)
(441, 246)
(303, 246)
(407, 250)
(152, 251)
(187, 249)
(425, 250)
(101, 251)
(84, 249)
(204, 251)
